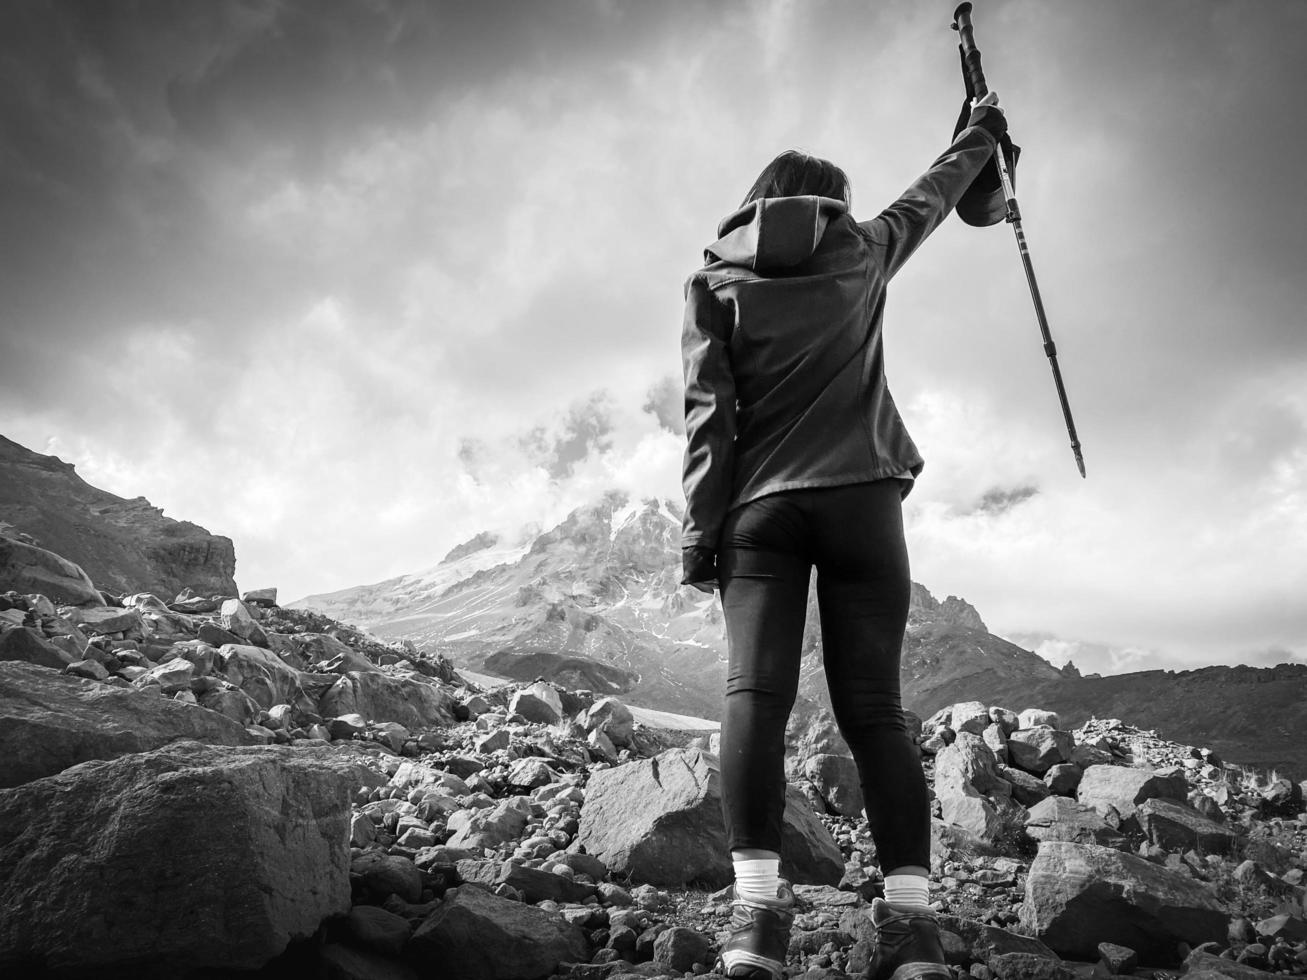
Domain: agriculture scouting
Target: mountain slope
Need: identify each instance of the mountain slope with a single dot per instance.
(123, 545)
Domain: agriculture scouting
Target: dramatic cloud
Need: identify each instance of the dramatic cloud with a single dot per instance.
(353, 282)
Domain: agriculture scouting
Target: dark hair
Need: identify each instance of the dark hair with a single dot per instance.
(795, 173)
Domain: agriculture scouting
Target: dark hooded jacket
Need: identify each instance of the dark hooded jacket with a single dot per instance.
(784, 365)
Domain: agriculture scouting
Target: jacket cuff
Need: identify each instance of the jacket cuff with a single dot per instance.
(990, 119)
(698, 564)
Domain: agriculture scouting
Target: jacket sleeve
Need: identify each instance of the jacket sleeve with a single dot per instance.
(898, 230)
(709, 415)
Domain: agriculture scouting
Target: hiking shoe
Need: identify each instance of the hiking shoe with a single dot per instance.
(760, 936)
(907, 944)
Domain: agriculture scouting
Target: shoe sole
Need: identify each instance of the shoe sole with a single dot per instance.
(749, 966)
(922, 971)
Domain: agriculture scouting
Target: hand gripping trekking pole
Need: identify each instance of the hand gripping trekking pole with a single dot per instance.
(976, 74)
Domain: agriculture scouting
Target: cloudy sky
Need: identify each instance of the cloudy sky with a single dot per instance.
(350, 282)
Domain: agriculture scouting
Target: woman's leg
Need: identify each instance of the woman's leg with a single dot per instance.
(764, 578)
(863, 589)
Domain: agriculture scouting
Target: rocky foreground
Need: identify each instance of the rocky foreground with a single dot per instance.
(213, 786)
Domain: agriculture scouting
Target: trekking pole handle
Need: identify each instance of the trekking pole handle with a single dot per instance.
(970, 53)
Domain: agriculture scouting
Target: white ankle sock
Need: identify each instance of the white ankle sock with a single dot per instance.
(757, 878)
(907, 890)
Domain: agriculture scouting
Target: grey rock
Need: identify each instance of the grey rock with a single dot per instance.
(615, 719)
(378, 930)
(262, 675)
(384, 875)
(1035, 717)
(236, 617)
(412, 702)
(682, 948)
(539, 703)
(1063, 778)
(475, 935)
(660, 821)
(50, 721)
(91, 670)
(1123, 788)
(985, 940)
(996, 739)
(1036, 750)
(340, 962)
(1060, 818)
(969, 716)
(102, 620)
(836, 780)
(327, 653)
(493, 826)
(26, 645)
(176, 855)
(171, 677)
(26, 568)
(1028, 966)
(1079, 895)
(968, 761)
(1178, 827)
(1026, 789)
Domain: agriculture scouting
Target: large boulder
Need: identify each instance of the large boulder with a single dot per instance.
(50, 721)
(186, 858)
(613, 717)
(539, 703)
(1123, 788)
(836, 780)
(970, 761)
(26, 568)
(1059, 818)
(475, 935)
(1036, 750)
(1179, 827)
(969, 716)
(1080, 895)
(409, 700)
(262, 675)
(660, 821)
(965, 772)
(27, 645)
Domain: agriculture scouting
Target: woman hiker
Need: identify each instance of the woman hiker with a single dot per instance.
(796, 457)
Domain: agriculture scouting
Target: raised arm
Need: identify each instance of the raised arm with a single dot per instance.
(898, 230)
(709, 427)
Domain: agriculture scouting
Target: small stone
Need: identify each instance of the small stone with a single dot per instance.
(92, 670)
(376, 929)
(681, 948)
(1118, 959)
(386, 874)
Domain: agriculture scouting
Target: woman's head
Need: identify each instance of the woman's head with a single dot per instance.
(794, 174)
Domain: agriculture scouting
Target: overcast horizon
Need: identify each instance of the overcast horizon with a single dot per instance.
(351, 283)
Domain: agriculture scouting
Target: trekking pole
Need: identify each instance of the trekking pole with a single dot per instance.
(971, 62)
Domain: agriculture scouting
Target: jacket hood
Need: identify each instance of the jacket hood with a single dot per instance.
(774, 232)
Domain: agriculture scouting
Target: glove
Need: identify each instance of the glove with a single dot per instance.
(698, 565)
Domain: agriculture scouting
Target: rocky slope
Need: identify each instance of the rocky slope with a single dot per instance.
(212, 786)
(594, 602)
(124, 545)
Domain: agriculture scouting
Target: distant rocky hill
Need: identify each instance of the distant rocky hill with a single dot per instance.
(594, 602)
(123, 545)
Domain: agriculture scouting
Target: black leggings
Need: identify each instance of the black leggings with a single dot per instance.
(854, 536)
